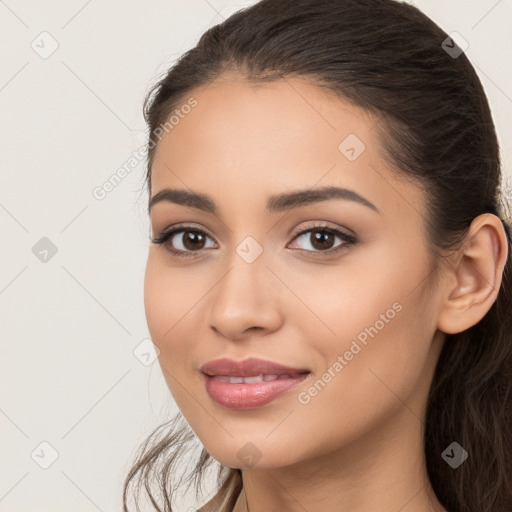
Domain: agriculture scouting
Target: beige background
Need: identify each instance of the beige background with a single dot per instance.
(69, 376)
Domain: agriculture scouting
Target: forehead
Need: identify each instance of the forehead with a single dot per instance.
(242, 139)
(274, 113)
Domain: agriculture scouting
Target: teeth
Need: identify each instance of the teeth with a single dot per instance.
(221, 378)
(250, 380)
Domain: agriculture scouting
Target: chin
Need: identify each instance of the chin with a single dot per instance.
(244, 453)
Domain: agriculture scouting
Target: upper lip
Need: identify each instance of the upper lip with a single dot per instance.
(248, 367)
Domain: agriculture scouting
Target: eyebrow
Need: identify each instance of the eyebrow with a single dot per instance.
(275, 204)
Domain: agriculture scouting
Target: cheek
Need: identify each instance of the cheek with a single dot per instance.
(345, 299)
(167, 300)
(173, 297)
(381, 316)
(156, 297)
(372, 307)
(166, 316)
(374, 381)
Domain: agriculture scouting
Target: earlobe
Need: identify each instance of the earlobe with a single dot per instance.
(477, 274)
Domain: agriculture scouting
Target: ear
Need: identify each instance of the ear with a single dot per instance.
(475, 275)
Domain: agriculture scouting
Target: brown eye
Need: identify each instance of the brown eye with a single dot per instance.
(323, 239)
(183, 242)
(192, 240)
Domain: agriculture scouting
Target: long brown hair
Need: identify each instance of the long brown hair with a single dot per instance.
(390, 58)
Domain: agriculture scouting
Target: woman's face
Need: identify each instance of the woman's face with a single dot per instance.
(350, 301)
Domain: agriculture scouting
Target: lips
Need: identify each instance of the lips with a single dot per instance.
(249, 380)
(250, 383)
(249, 368)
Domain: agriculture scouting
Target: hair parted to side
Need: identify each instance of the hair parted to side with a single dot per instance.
(437, 128)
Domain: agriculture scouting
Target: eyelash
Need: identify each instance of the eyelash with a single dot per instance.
(162, 238)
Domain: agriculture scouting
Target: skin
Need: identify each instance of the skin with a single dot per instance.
(357, 445)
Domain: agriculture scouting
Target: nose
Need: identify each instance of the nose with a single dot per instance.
(246, 300)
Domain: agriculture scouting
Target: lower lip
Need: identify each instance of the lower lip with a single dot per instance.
(249, 396)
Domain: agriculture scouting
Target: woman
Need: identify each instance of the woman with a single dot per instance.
(329, 278)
